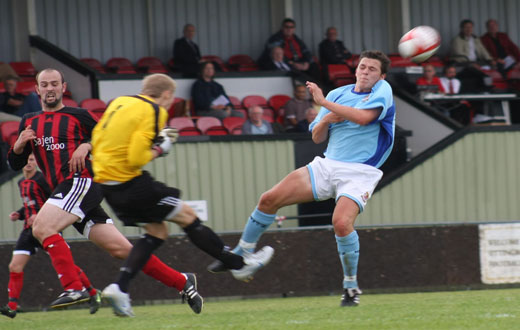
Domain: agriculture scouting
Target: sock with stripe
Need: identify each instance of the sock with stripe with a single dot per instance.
(14, 289)
(139, 256)
(62, 261)
(348, 249)
(85, 281)
(161, 272)
(257, 223)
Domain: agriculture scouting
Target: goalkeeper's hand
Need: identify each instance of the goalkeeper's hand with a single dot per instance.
(166, 137)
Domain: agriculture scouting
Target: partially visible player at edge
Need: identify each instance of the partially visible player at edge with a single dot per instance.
(130, 134)
(34, 191)
(359, 121)
(59, 138)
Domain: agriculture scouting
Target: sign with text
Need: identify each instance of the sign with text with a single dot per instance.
(500, 253)
(200, 208)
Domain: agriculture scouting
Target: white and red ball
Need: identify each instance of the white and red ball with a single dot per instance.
(420, 43)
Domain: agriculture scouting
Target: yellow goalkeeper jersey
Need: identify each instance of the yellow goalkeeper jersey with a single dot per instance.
(123, 138)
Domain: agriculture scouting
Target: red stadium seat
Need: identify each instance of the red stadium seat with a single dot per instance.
(25, 70)
(269, 115)
(235, 101)
(398, 61)
(96, 113)
(251, 100)
(234, 125)
(185, 126)
(93, 104)
(211, 126)
(26, 87)
(178, 108)
(151, 64)
(68, 102)
(95, 64)
(278, 101)
(353, 61)
(120, 65)
(340, 74)
(242, 62)
(9, 131)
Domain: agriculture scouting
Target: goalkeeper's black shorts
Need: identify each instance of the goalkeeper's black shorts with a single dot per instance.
(142, 200)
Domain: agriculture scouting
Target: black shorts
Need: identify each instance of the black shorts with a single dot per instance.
(27, 243)
(96, 215)
(142, 200)
(77, 196)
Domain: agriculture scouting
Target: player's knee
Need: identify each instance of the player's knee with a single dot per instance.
(15, 267)
(343, 225)
(119, 252)
(268, 201)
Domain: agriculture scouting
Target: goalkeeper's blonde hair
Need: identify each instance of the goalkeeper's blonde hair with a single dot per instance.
(155, 84)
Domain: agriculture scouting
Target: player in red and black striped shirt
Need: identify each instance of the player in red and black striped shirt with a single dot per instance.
(59, 138)
(34, 191)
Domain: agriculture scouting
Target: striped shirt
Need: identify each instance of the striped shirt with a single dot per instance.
(34, 191)
(58, 135)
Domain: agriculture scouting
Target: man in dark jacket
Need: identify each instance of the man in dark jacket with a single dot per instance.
(500, 46)
(186, 53)
(296, 53)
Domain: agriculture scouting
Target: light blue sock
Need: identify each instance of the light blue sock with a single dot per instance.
(348, 248)
(257, 223)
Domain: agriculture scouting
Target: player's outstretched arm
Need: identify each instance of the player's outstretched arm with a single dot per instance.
(358, 116)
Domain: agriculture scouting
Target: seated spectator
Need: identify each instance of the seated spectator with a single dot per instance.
(460, 111)
(303, 125)
(500, 47)
(429, 81)
(296, 53)
(14, 105)
(209, 97)
(256, 124)
(450, 83)
(186, 53)
(332, 50)
(294, 109)
(276, 61)
(468, 51)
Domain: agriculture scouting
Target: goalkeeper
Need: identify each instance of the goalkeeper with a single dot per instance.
(129, 135)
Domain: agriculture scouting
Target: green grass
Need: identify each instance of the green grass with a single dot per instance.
(485, 309)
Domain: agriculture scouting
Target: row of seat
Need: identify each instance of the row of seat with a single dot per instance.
(207, 125)
(152, 64)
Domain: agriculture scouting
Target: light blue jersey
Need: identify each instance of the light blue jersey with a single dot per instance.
(350, 142)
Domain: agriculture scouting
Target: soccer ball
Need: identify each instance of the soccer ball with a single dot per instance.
(420, 43)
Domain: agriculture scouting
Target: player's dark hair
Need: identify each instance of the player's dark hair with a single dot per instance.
(377, 55)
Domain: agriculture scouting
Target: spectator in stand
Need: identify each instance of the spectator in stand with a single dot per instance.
(450, 84)
(276, 61)
(468, 51)
(429, 81)
(500, 47)
(460, 111)
(256, 124)
(332, 50)
(296, 53)
(294, 109)
(303, 125)
(209, 97)
(14, 105)
(186, 53)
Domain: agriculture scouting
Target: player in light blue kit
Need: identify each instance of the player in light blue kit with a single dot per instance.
(359, 121)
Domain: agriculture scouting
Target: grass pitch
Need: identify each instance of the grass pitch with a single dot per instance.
(485, 309)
